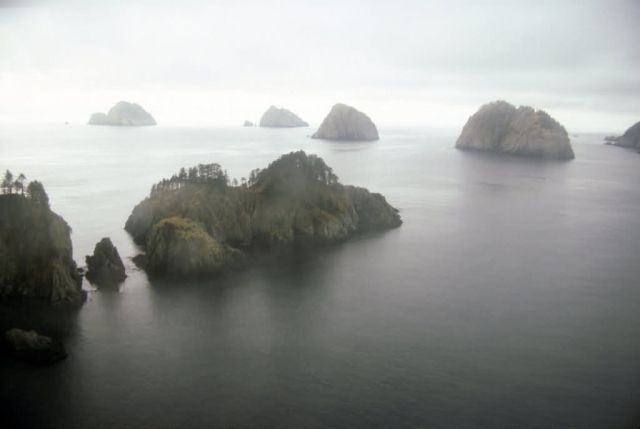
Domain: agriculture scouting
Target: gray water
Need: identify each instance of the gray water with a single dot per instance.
(509, 298)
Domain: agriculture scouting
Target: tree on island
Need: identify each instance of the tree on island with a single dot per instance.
(7, 183)
(19, 183)
(36, 192)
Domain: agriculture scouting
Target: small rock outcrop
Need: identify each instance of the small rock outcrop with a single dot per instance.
(36, 254)
(347, 124)
(630, 138)
(33, 348)
(104, 267)
(123, 114)
(281, 118)
(203, 225)
(248, 124)
(502, 128)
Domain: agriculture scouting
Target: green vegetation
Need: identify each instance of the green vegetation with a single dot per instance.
(296, 199)
(35, 247)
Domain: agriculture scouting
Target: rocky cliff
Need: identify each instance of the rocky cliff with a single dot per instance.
(501, 127)
(123, 114)
(630, 138)
(281, 118)
(346, 123)
(196, 227)
(36, 260)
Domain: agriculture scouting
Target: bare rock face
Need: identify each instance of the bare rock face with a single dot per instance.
(123, 114)
(348, 124)
(502, 128)
(104, 267)
(631, 138)
(33, 348)
(281, 118)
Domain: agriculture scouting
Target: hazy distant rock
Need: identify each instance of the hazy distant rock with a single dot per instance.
(249, 124)
(123, 114)
(104, 267)
(99, 118)
(503, 128)
(630, 138)
(346, 123)
(281, 118)
(31, 347)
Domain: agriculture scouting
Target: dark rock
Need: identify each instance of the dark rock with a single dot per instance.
(348, 124)
(281, 118)
(502, 128)
(36, 254)
(33, 348)
(104, 267)
(630, 138)
(123, 114)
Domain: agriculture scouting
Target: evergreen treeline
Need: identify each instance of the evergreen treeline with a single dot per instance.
(34, 190)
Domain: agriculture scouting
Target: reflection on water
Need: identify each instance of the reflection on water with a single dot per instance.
(508, 298)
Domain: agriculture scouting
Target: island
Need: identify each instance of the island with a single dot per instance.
(104, 267)
(123, 114)
(197, 223)
(346, 123)
(36, 254)
(248, 124)
(281, 118)
(500, 127)
(630, 138)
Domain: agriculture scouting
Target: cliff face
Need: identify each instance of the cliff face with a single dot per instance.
(346, 123)
(281, 118)
(501, 127)
(297, 199)
(631, 137)
(123, 114)
(36, 253)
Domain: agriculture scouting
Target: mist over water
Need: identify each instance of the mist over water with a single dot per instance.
(508, 298)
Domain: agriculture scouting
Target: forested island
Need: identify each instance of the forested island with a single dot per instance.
(198, 221)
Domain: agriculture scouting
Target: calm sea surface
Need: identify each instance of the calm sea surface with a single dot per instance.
(509, 298)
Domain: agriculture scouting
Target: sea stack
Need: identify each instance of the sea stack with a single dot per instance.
(630, 138)
(123, 114)
(347, 124)
(104, 267)
(281, 118)
(500, 127)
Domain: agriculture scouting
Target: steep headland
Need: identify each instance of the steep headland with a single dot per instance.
(348, 124)
(123, 114)
(502, 128)
(630, 138)
(36, 255)
(281, 118)
(197, 223)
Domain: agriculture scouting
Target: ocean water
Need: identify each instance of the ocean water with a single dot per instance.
(509, 298)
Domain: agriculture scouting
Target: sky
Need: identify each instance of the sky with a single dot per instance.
(404, 63)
